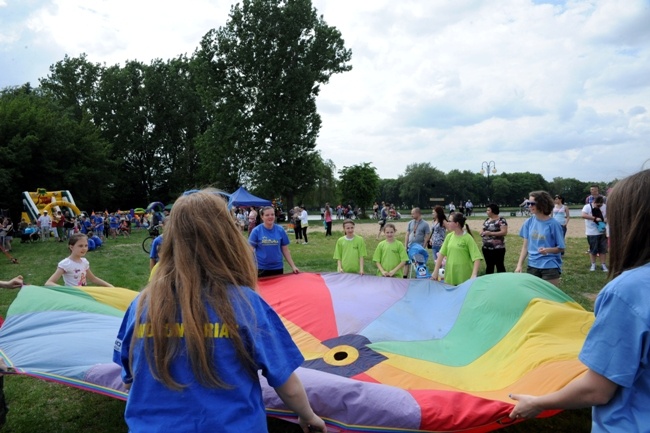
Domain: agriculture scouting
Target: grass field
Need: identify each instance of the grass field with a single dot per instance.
(37, 406)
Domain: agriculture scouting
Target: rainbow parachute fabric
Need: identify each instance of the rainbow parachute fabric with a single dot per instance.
(381, 354)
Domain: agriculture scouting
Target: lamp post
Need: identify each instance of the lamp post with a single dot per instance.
(485, 169)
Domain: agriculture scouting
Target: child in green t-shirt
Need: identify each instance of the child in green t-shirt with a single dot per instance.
(390, 255)
(350, 250)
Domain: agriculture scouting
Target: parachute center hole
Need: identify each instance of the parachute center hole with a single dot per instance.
(340, 356)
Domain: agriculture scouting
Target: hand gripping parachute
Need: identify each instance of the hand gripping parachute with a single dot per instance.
(381, 354)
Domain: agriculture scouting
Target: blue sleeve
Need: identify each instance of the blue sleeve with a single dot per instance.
(253, 238)
(274, 351)
(617, 340)
(155, 245)
(523, 231)
(284, 238)
(123, 342)
(559, 235)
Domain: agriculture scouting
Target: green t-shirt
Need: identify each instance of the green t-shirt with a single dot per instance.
(349, 252)
(389, 255)
(461, 253)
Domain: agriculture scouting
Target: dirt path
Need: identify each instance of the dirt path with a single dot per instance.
(576, 227)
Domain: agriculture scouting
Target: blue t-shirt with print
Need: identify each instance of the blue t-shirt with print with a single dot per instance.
(268, 246)
(543, 233)
(153, 408)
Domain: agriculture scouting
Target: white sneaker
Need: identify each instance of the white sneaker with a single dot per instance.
(593, 267)
(605, 268)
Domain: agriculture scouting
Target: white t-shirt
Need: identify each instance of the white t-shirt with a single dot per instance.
(304, 218)
(74, 273)
(591, 228)
(45, 221)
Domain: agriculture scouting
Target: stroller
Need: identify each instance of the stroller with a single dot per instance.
(418, 257)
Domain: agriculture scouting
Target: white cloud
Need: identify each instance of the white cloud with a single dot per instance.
(118, 30)
(506, 80)
(554, 87)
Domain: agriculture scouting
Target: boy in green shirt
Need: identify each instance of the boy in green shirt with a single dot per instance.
(350, 250)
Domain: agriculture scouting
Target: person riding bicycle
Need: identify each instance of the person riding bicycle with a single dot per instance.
(524, 207)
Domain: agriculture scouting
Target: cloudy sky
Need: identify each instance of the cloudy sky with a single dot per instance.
(560, 88)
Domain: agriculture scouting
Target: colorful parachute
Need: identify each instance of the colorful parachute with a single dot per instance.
(382, 354)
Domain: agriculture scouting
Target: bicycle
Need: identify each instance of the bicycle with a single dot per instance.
(153, 234)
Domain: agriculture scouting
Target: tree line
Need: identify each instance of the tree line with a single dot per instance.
(422, 185)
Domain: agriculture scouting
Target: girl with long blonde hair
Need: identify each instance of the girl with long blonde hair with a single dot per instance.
(191, 344)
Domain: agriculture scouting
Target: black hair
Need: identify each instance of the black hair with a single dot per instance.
(460, 219)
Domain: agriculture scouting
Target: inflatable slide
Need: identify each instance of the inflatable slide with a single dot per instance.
(34, 203)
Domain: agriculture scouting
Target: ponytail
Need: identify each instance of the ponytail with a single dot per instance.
(460, 219)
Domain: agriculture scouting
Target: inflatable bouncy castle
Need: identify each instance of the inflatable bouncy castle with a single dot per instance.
(35, 203)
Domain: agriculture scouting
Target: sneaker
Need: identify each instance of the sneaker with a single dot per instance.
(593, 267)
(605, 268)
(304, 243)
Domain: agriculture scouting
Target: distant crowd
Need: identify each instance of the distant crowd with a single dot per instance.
(60, 226)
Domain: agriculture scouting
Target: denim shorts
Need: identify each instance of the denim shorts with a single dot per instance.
(597, 244)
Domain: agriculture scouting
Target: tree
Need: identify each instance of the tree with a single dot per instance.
(123, 117)
(359, 184)
(420, 182)
(573, 190)
(500, 190)
(522, 184)
(262, 73)
(44, 146)
(465, 185)
(326, 187)
(177, 119)
(154, 117)
(389, 191)
(73, 83)
(151, 114)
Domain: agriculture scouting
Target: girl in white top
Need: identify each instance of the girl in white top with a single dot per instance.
(75, 269)
(304, 222)
(561, 212)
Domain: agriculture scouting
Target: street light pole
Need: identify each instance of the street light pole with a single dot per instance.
(485, 169)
